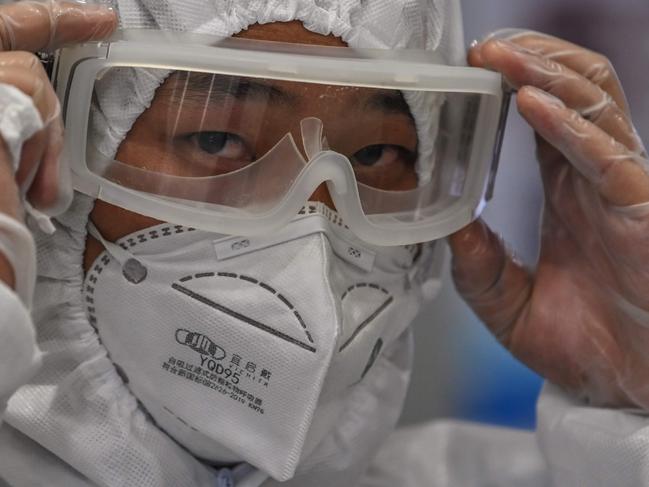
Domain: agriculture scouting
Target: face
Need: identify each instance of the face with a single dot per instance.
(205, 125)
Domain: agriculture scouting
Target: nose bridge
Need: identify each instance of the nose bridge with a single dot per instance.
(326, 169)
(322, 195)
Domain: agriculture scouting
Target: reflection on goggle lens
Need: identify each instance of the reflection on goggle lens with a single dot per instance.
(202, 125)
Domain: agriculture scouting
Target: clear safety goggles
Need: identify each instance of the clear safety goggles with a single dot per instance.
(239, 134)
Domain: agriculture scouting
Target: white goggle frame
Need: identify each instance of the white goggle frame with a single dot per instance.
(77, 68)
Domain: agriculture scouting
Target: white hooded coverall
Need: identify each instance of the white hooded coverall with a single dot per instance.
(63, 426)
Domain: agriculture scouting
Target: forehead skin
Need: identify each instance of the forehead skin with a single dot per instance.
(114, 222)
(293, 32)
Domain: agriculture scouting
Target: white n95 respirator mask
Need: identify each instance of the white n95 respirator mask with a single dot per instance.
(244, 349)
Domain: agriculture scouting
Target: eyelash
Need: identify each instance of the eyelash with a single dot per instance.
(404, 154)
(201, 139)
(375, 152)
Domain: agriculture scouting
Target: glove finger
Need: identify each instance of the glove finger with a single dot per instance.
(10, 204)
(30, 159)
(23, 71)
(35, 26)
(26, 62)
(40, 91)
(51, 189)
(9, 196)
(48, 182)
(590, 64)
(525, 68)
(619, 174)
(496, 287)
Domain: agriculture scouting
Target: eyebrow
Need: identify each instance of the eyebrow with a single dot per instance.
(193, 86)
(196, 86)
(389, 102)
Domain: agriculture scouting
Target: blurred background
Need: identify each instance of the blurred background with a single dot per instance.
(460, 370)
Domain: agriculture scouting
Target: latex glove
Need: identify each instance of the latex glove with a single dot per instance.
(582, 318)
(37, 174)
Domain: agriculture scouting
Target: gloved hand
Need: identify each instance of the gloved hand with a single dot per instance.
(35, 172)
(582, 318)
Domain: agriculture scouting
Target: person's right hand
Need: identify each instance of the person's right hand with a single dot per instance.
(27, 27)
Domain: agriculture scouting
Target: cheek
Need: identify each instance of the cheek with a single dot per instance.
(408, 182)
(114, 222)
(148, 143)
(392, 179)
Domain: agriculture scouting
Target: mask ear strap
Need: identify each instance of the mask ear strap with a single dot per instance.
(132, 269)
(429, 273)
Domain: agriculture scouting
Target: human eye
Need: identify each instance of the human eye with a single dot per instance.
(383, 155)
(223, 145)
(386, 166)
(212, 152)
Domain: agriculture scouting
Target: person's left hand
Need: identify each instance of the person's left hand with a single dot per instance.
(582, 318)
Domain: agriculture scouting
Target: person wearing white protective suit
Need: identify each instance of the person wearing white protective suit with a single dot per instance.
(152, 353)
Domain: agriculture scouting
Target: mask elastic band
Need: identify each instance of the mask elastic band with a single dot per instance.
(132, 269)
